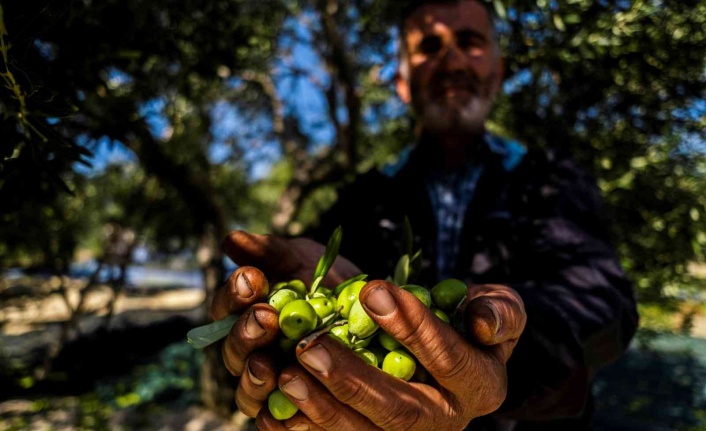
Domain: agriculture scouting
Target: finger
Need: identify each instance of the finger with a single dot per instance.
(257, 328)
(258, 380)
(285, 259)
(456, 365)
(388, 402)
(266, 422)
(245, 286)
(494, 315)
(320, 405)
(299, 422)
(267, 252)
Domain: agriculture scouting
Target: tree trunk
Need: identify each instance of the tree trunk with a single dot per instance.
(194, 186)
(217, 385)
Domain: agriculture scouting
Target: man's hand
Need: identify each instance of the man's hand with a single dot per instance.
(283, 259)
(336, 390)
(246, 348)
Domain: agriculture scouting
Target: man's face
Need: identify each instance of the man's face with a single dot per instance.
(454, 72)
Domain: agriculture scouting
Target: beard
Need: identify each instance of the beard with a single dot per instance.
(459, 119)
(462, 113)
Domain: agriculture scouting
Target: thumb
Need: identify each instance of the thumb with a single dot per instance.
(436, 345)
(494, 315)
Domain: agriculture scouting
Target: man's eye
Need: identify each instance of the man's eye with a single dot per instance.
(430, 45)
(468, 40)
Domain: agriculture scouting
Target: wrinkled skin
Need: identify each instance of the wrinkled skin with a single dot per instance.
(335, 389)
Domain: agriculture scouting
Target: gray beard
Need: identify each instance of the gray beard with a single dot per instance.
(439, 118)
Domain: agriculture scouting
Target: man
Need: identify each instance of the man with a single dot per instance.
(548, 304)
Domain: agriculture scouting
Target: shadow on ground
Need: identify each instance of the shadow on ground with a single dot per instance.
(660, 386)
(656, 386)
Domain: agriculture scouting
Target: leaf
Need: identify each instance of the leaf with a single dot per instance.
(326, 261)
(315, 284)
(415, 264)
(500, 9)
(337, 290)
(401, 271)
(205, 335)
(559, 23)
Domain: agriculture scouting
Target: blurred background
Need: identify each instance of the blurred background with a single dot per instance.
(134, 135)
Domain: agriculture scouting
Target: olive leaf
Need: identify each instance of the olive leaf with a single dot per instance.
(315, 284)
(202, 336)
(401, 271)
(329, 256)
(415, 265)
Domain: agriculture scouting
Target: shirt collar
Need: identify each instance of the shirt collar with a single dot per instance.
(509, 152)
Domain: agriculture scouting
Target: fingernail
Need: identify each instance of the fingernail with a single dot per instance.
(253, 379)
(484, 319)
(380, 302)
(296, 388)
(496, 317)
(317, 358)
(299, 427)
(242, 286)
(253, 328)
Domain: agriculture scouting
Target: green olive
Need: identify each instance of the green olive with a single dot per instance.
(323, 306)
(281, 298)
(420, 292)
(447, 294)
(322, 292)
(278, 286)
(399, 363)
(359, 323)
(348, 296)
(297, 286)
(368, 356)
(340, 332)
(297, 319)
(361, 342)
(387, 341)
(280, 406)
(441, 315)
(379, 353)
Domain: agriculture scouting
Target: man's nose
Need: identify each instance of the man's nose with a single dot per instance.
(454, 60)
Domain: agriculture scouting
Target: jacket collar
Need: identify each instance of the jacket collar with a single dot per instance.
(414, 160)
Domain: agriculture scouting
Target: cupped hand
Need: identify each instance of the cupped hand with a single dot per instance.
(336, 390)
(244, 349)
(247, 348)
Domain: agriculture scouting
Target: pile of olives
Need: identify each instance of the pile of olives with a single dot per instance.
(303, 310)
(339, 311)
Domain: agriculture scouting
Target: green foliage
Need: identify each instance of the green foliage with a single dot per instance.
(619, 85)
(171, 378)
(654, 388)
(27, 116)
(36, 223)
(147, 80)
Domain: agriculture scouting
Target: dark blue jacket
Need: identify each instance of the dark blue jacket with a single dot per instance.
(538, 229)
